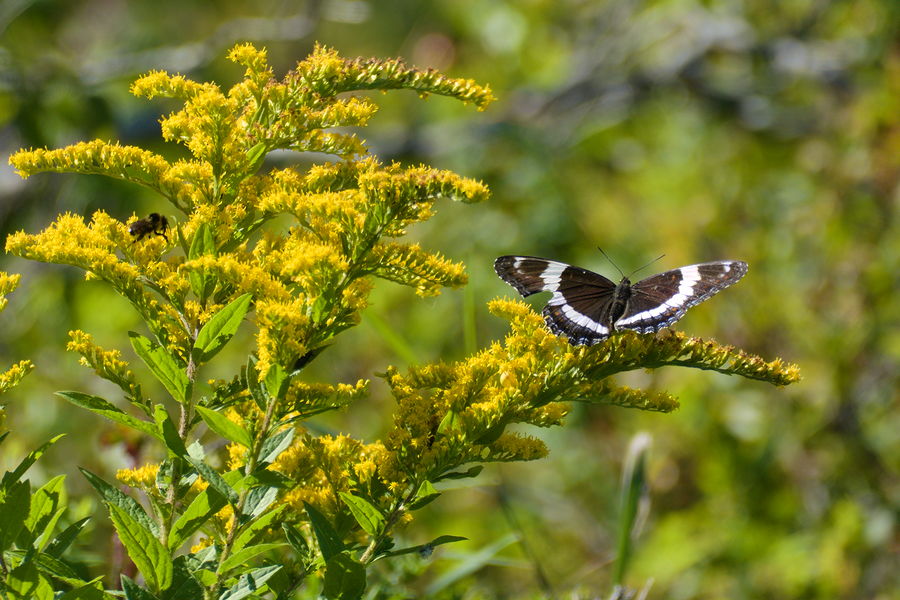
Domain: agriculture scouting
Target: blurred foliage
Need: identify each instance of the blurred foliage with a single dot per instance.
(762, 131)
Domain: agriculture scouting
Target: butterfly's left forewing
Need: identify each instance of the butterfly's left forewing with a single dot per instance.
(579, 295)
(660, 300)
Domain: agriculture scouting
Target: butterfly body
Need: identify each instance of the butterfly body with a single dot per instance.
(587, 307)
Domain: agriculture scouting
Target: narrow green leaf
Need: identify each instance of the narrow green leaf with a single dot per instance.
(215, 480)
(634, 489)
(11, 477)
(330, 543)
(276, 380)
(221, 328)
(170, 436)
(184, 584)
(47, 504)
(133, 591)
(427, 548)
(471, 564)
(26, 582)
(255, 528)
(245, 555)
(258, 500)
(257, 391)
(255, 156)
(367, 515)
(55, 568)
(345, 578)
(103, 408)
(149, 556)
(296, 540)
(250, 583)
(275, 445)
(163, 366)
(91, 590)
(201, 245)
(113, 496)
(224, 426)
(471, 472)
(14, 509)
(198, 513)
(426, 495)
(62, 542)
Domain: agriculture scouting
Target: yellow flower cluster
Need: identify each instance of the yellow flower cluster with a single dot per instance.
(106, 363)
(12, 376)
(8, 283)
(142, 478)
(449, 415)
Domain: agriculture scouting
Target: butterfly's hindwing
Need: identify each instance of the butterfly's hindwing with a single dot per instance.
(583, 303)
(660, 300)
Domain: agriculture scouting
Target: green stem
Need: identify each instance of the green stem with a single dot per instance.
(389, 522)
(252, 461)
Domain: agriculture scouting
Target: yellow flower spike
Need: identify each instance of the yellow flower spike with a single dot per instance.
(105, 363)
(256, 61)
(142, 478)
(14, 375)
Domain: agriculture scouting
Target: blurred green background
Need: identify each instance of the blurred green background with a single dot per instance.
(758, 130)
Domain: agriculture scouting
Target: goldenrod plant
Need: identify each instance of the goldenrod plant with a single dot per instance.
(286, 511)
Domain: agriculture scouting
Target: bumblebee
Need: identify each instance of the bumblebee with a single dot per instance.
(154, 223)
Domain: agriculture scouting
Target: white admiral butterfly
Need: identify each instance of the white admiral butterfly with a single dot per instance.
(587, 307)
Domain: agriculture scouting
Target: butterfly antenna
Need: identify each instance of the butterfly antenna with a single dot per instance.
(647, 265)
(611, 261)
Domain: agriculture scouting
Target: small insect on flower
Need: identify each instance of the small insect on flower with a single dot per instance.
(154, 223)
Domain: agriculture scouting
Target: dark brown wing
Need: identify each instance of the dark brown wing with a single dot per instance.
(579, 295)
(660, 300)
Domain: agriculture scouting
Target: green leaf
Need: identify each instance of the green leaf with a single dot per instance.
(163, 366)
(246, 554)
(248, 535)
(170, 436)
(224, 426)
(113, 496)
(250, 583)
(345, 578)
(11, 477)
(57, 569)
(213, 478)
(296, 540)
(221, 328)
(471, 564)
(14, 508)
(133, 591)
(276, 380)
(184, 584)
(367, 515)
(255, 156)
(472, 472)
(251, 375)
(62, 542)
(92, 590)
(450, 423)
(149, 556)
(427, 548)
(27, 583)
(47, 505)
(258, 500)
(275, 445)
(198, 513)
(201, 245)
(634, 489)
(330, 543)
(103, 408)
(426, 495)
